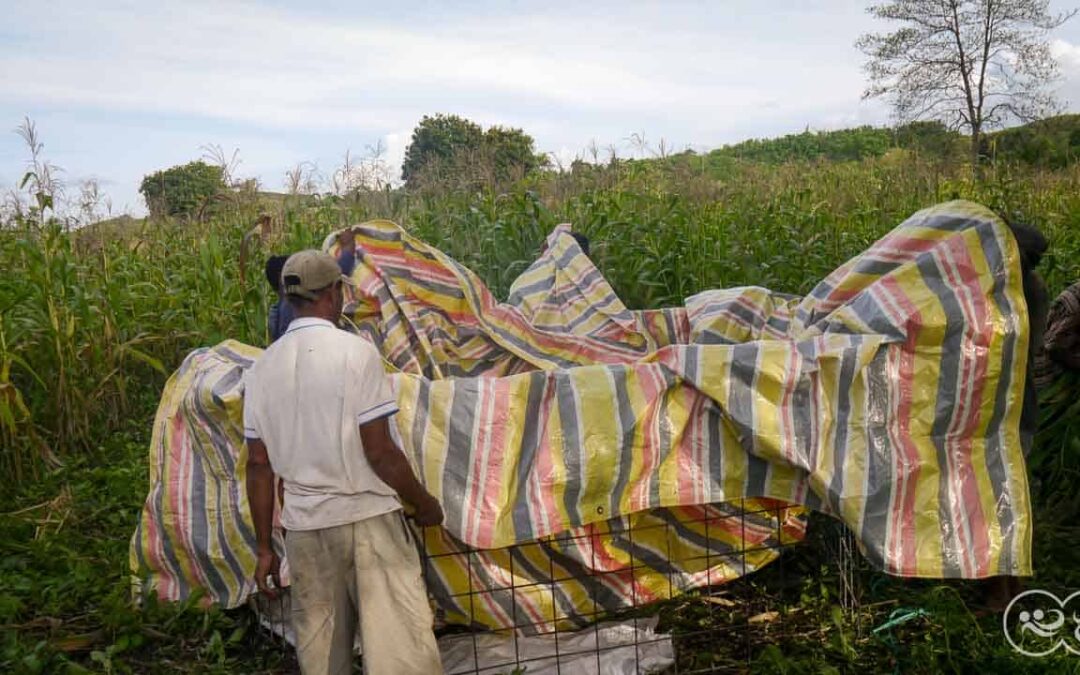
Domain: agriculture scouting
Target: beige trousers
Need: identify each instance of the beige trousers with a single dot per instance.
(367, 571)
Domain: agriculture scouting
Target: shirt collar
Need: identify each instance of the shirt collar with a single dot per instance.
(307, 322)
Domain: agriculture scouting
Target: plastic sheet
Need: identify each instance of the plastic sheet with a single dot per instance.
(625, 452)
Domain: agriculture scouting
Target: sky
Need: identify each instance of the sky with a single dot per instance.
(118, 90)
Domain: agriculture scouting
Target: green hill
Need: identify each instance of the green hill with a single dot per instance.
(1049, 143)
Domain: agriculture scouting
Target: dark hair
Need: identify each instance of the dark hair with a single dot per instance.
(582, 241)
(298, 303)
(1030, 241)
(273, 270)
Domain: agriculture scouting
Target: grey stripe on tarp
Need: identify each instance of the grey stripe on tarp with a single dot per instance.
(944, 413)
(879, 451)
(232, 382)
(200, 531)
(844, 387)
(463, 414)
(420, 422)
(779, 324)
(621, 538)
(874, 316)
(715, 546)
(396, 272)
(579, 573)
(743, 376)
(594, 308)
(544, 285)
(571, 252)
(572, 445)
(944, 220)
(802, 422)
(876, 266)
(219, 448)
(690, 360)
(226, 505)
(757, 475)
(530, 441)
(227, 384)
(492, 588)
(996, 452)
(379, 235)
(819, 292)
(234, 357)
(559, 594)
(663, 424)
(710, 337)
(713, 418)
(627, 428)
(753, 319)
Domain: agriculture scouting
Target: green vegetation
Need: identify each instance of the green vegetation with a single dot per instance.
(445, 147)
(182, 191)
(931, 139)
(92, 321)
(1052, 143)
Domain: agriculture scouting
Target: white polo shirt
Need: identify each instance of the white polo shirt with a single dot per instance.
(306, 398)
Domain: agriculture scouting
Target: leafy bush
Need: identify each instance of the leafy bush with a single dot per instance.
(448, 146)
(181, 190)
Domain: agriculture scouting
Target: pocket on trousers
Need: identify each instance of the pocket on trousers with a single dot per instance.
(410, 540)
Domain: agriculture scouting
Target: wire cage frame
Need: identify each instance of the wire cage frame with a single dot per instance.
(684, 609)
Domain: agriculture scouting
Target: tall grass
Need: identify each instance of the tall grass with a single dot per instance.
(92, 320)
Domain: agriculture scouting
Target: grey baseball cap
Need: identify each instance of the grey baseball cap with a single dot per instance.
(308, 272)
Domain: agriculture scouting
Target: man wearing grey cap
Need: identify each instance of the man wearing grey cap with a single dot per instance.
(315, 413)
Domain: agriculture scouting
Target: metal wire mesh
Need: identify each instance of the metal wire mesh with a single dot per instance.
(725, 623)
(710, 623)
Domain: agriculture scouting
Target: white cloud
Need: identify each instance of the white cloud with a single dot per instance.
(1068, 57)
(265, 66)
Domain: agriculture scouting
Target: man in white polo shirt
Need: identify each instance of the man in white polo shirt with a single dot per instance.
(315, 413)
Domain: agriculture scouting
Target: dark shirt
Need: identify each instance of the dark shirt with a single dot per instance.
(281, 312)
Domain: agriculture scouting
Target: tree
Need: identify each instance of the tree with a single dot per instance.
(181, 190)
(455, 144)
(972, 64)
(438, 138)
(512, 150)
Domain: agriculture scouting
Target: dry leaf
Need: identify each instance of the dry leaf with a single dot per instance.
(765, 617)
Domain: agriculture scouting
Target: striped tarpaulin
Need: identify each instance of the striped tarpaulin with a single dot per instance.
(633, 455)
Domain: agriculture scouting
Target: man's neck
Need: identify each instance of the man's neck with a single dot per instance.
(315, 315)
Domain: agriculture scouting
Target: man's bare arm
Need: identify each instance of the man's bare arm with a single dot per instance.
(390, 465)
(260, 490)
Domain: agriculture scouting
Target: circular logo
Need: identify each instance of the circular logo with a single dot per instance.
(1038, 623)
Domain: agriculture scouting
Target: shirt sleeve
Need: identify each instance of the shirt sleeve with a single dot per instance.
(251, 423)
(372, 396)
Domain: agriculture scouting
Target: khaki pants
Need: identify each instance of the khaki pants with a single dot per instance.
(368, 570)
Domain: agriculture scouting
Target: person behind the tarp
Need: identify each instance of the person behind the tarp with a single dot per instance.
(316, 405)
(1032, 246)
(281, 313)
(582, 241)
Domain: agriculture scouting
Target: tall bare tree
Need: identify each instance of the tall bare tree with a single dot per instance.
(972, 64)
